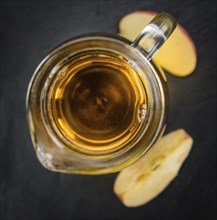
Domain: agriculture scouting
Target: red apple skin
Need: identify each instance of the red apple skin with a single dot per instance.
(120, 197)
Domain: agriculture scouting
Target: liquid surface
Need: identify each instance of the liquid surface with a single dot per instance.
(95, 102)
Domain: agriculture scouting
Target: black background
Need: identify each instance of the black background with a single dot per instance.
(29, 30)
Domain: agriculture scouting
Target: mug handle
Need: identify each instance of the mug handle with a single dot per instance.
(153, 36)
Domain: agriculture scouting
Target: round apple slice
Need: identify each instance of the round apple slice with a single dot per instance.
(147, 178)
(177, 55)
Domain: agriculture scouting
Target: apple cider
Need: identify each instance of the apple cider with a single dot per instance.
(97, 101)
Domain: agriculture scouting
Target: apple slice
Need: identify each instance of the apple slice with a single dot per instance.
(138, 184)
(177, 55)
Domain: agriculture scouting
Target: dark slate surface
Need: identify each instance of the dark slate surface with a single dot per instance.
(29, 29)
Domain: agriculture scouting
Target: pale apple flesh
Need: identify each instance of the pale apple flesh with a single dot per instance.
(178, 54)
(147, 178)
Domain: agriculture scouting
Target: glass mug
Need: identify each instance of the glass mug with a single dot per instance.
(97, 103)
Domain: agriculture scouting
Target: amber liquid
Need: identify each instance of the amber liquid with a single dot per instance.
(97, 102)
